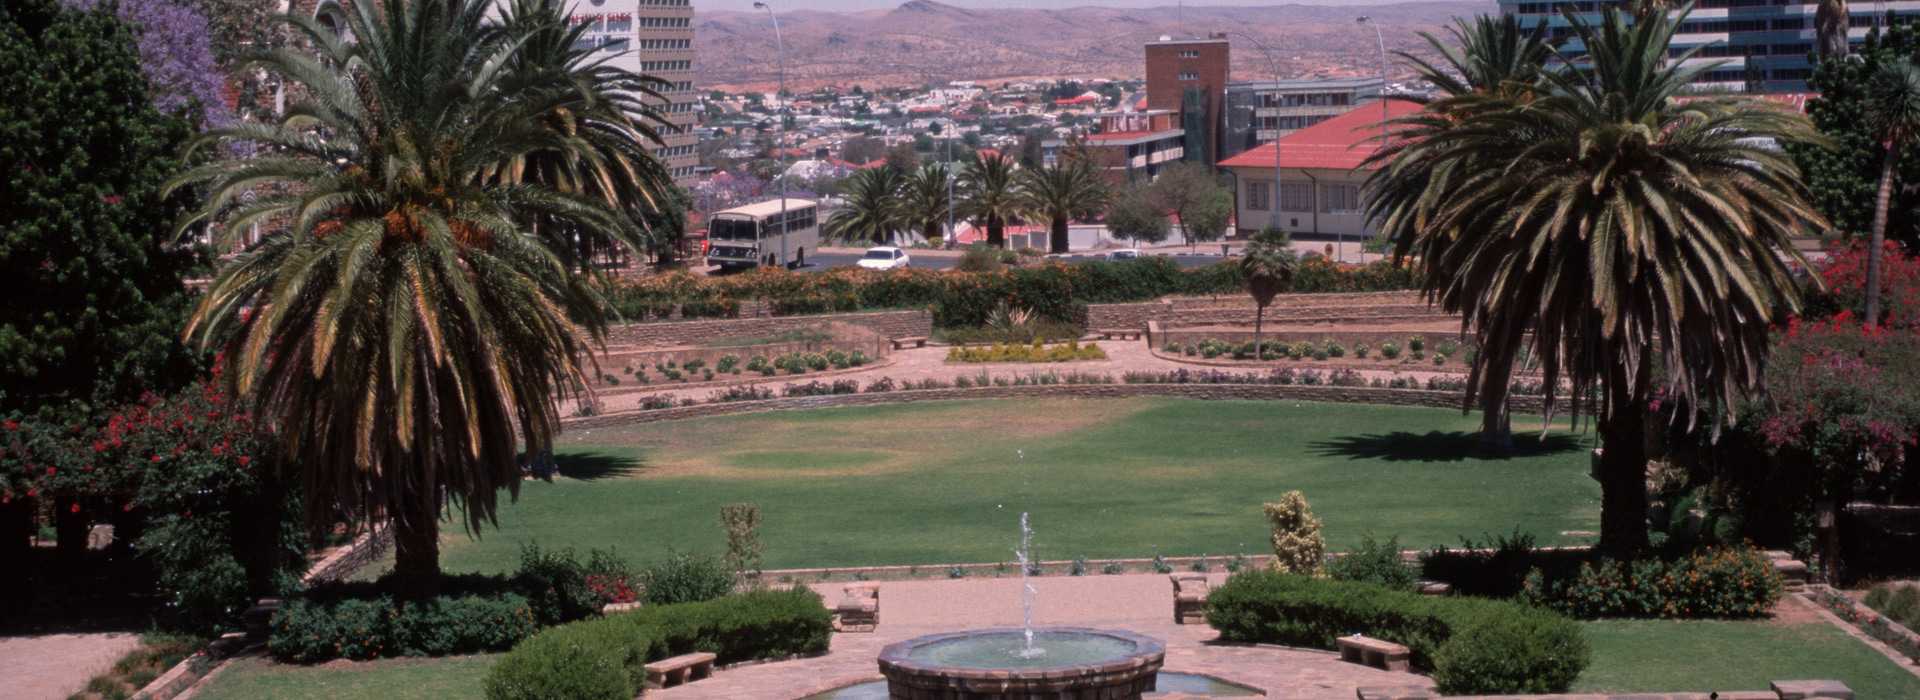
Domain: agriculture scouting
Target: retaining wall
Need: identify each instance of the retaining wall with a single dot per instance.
(892, 324)
(1217, 392)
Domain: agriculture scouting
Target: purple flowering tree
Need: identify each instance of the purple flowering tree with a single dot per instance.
(175, 56)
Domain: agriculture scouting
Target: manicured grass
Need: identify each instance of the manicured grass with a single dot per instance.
(390, 679)
(946, 482)
(1703, 656)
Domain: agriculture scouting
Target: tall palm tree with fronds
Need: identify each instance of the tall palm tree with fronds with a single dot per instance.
(1610, 228)
(989, 195)
(872, 213)
(924, 200)
(603, 113)
(400, 323)
(1060, 193)
(1267, 268)
(1497, 64)
(1893, 112)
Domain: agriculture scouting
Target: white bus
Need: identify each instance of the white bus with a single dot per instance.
(749, 236)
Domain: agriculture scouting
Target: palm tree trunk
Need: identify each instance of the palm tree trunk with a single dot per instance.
(1496, 423)
(996, 231)
(1623, 466)
(1880, 202)
(1259, 315)
(1057, 242)
(416, 545)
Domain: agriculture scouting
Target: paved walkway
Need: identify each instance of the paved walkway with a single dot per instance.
(916, 364)
(54, 666)
(1141, 603)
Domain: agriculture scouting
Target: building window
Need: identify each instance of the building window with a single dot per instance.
(1189, 75)
(1259, 194)
(1296, 196)
(1190, 54)
(1340, 199)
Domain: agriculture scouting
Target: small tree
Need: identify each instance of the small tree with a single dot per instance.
(1298, 547)
(1193, 192)
(1267, 268)
(1133, 215)
(742, 523)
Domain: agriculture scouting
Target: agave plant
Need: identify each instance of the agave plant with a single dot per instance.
(402, 321)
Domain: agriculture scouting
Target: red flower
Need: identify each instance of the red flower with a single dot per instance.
(49, 471)
(244, 460)
(157, 458)
(13, 425)
(75, 508)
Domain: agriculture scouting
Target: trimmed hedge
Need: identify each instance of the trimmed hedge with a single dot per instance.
(1470, 645)
(1053, 291)
(308, 631)
(605, 658)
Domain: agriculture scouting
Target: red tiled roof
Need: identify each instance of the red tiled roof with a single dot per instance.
(1795, 101)
(1340, 143)
(1125, 135)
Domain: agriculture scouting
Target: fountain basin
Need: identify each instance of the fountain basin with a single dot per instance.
(1078, 664)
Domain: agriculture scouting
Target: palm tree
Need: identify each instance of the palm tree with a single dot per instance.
(989, 195)
(872, 213)
(1608, 227)
(1061, 193)
(924, 201)
(1267, 268)
(1893, 112)
(399, 322)
(601, 109)
(1831, 22)
(1498, 62)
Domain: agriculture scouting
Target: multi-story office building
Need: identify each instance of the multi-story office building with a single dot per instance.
(1188, 78)
(1131, 146)
(655, 38)
(1258, 111)
(1763, 45)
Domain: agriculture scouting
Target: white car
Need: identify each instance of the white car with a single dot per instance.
(885, 257)
(1124, 254)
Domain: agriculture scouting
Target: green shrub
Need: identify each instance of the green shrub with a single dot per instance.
(1374, 562)
(1900, 603)
(1389, 350)
(1733, 582)
(686, 578)
(555, 585)
(1416, 344)
(1360, 350)
(1298, 546)
(308, 631)
(605, 658)
(1457, 639)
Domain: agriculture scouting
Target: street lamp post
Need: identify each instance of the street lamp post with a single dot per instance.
(1382, 39)
(951, 232)
(780, 124)
(1273, 211)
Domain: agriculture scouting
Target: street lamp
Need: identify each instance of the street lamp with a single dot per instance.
(1382, 39)
(780, 125)
(951, 173)
(1273, 219)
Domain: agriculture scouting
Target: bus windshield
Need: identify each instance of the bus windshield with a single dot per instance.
(732, 230)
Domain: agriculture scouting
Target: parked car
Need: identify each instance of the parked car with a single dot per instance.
(1124, 254)
(885, 257)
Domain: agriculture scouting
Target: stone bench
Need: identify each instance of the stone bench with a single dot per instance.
(1189, 598)
(1119, 333)
(1377, 653)
(859, 608)
(918, 341)
(684, 668)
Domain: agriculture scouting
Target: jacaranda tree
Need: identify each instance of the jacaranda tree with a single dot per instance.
(401, 322)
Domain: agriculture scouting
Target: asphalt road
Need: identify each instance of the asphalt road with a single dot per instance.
(825, 261)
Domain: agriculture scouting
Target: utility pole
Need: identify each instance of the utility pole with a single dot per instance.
(780, 125)
(1382, 39)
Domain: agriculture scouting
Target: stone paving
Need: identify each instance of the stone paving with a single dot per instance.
(1141, 603)
(53, 666)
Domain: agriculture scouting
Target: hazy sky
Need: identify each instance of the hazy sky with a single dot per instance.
(785, 5)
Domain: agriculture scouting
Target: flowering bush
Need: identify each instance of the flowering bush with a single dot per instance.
(1841, 394)
(1845, 272)
(1070, 351)
(1734, 582)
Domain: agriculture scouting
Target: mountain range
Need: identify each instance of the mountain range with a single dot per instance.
(923, 41)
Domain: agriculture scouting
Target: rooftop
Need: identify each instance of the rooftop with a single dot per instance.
(1306, 84)
(1340, 143)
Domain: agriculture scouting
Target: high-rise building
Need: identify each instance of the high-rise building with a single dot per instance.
(654, 38)
(1762, 45)
(1188, 77)
(1259, 111)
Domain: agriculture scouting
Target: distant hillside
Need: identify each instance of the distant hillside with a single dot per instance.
(923, 40)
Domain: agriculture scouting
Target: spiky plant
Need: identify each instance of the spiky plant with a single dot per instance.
(1267, 268)
(1893, 112)
(989, 195)
(1060, 193)
(924, 202)
(1609, 228)
(400, 322)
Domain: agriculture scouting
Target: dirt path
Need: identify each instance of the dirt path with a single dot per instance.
(54, 666)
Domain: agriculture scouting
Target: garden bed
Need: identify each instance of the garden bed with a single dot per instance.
(1871, 622)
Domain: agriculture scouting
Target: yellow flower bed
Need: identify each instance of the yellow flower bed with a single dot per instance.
(1071, 351)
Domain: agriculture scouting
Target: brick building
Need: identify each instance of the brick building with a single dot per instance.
(1130, 146)
(1188, 77)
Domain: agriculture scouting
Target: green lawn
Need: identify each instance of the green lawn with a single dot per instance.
(946, 482)
(1701, 656)
(390, 679)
